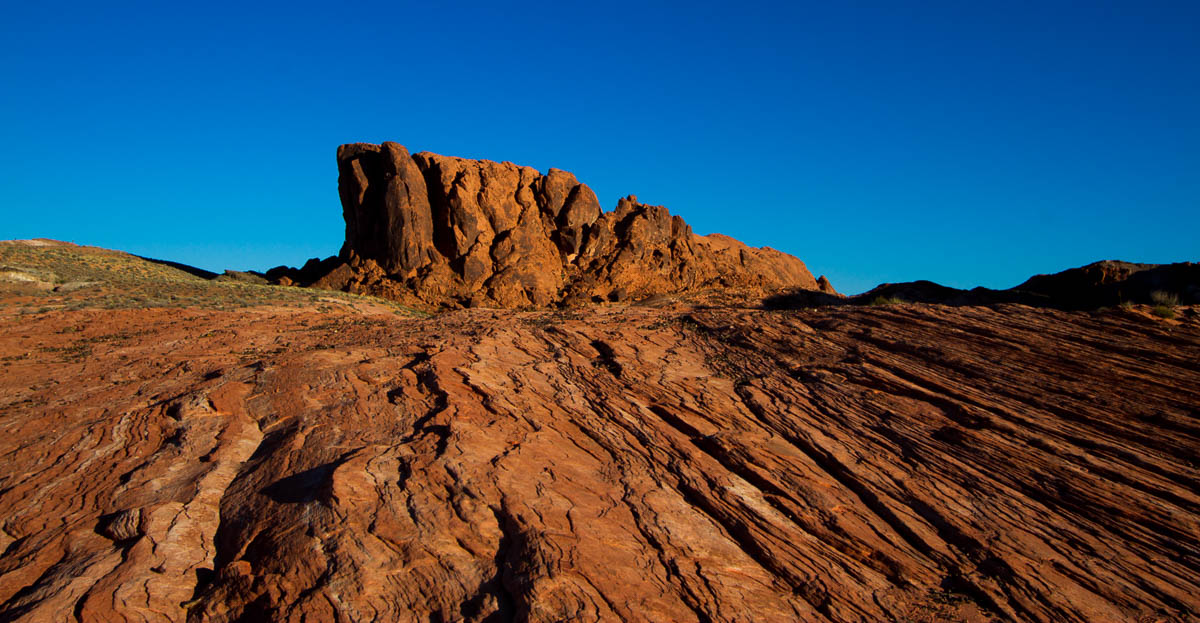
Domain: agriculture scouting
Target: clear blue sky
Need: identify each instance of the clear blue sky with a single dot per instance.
(963, 142)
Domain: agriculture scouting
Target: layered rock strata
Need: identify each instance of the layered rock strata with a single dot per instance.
(842, 464)
(443, 231)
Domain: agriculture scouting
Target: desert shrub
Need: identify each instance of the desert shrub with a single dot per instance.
(1164, 299)
(885, 300)
(1164, 311)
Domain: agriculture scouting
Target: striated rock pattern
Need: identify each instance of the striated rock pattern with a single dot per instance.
(901, 463)
(435, 231)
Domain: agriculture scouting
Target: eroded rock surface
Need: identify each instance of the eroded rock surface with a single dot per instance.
(909, 462)
(442, 231)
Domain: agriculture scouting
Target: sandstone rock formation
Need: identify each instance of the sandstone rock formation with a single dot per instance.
(436, 230)
(905, 463)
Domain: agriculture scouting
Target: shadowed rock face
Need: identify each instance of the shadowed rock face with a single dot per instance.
(1101, 284)
(905, 463)
(1112, 282)
(386, 206)
(438, 230)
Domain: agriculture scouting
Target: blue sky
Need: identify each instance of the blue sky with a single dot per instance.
(963, 142)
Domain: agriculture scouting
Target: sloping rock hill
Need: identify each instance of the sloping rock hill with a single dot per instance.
(898, 463)
(1107, 283)
(1112, 282)
(438, 231)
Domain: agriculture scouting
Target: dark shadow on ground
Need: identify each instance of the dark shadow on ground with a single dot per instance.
(191, 270)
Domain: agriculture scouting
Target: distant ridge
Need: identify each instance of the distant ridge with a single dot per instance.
(1100, 284)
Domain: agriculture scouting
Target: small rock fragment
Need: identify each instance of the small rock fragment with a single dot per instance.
(122, 525)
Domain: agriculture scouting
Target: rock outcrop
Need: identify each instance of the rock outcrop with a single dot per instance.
(441, 231)
(1112, 282)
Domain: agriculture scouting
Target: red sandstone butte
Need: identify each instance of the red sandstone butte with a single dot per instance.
(438, 231)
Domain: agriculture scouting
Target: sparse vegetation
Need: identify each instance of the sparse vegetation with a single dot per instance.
(1164, 303)
(73, 353)
(1166, 299)
(544, 320)
(1163, 311)
(73, 278)
(882, 300)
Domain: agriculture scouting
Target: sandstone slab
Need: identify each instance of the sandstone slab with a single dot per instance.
(909, 462)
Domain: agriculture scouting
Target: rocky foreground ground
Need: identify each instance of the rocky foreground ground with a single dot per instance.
(343, 462)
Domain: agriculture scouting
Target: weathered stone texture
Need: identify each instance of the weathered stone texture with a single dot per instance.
(444, 231)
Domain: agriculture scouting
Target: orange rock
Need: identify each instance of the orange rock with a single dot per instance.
(451, 232)
(911, 462)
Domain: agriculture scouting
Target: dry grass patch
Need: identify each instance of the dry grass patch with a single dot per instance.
(77, 277)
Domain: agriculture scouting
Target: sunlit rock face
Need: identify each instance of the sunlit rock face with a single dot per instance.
(447, 231)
